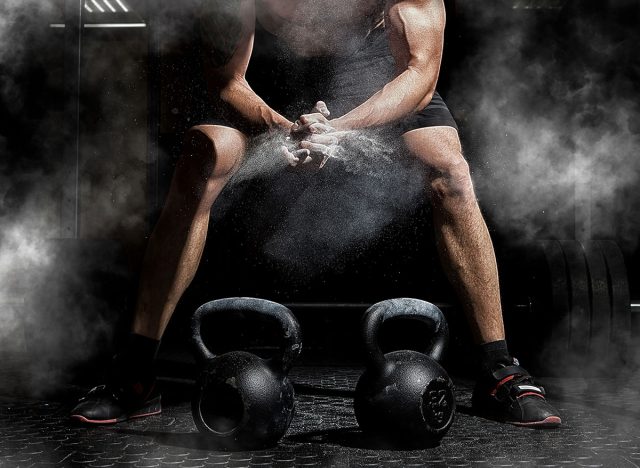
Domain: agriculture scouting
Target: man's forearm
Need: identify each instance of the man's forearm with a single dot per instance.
(409, 92)
(248, 110)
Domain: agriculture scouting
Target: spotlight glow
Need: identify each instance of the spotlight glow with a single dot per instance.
(122, 5)
(109, 6)
(115, 25)
(97, 5)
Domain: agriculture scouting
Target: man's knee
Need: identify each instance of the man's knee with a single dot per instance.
(451, 178)
(448, 171)
(211, 151)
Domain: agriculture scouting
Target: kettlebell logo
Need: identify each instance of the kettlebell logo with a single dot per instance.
(437, 402)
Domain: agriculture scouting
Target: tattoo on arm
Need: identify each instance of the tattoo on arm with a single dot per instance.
(221, 29)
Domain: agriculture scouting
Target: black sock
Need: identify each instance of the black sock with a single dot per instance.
(136, 361)
(494, 355)
(141, 349)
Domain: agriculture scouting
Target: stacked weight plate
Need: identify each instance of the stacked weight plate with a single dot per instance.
(581, 307)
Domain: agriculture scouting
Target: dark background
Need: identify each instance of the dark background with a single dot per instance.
(92, 118)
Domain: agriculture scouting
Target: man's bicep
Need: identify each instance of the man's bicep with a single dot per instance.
(416, 32)
(227, 28)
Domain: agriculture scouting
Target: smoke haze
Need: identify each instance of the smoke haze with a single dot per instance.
(60, 299)
(541, 107)
(549, 101)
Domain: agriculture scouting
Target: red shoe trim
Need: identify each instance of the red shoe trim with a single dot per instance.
(531, 393)
(551, 421)
(501, 383)
(93, 421)
(153, 413)
(83, 419)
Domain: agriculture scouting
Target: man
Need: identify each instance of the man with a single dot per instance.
(376, 63)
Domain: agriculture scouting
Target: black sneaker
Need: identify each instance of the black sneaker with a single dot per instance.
(109, 404)
(510, 395)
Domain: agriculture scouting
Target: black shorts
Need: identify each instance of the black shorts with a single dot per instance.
(291, 84)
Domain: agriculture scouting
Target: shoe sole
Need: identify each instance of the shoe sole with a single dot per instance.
(152, 409)
(549, 422)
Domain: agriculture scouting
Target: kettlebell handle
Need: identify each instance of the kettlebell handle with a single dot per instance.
(260, 308)
(410, 308)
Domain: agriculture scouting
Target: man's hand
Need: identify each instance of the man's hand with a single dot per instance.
(314, 122)
(316, 137)
(293, 155)
(322, 147)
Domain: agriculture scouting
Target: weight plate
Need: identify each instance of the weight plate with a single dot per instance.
(619, 297)
(600, 301)
(560, 298)
(580, 310)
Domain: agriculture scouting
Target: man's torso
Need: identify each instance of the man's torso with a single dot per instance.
(319, 27)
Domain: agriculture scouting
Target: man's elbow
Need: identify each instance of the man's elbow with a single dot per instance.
(426, 83)
(228, 89)
(223, 88)
(426, 99)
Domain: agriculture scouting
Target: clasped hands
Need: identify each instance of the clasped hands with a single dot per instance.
(312, 138)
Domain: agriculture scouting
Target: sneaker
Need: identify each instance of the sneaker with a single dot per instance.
(510, 395)
(109, 404)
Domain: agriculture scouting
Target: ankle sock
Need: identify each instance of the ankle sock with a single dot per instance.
(494, 355)
(136, 361)
(141, 349)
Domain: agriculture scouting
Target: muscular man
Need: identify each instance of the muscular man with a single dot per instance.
(375, 65)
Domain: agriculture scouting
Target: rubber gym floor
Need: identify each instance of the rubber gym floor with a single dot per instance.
(601, 427)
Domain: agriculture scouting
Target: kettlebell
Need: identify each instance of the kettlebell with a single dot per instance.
(405, 397)
(243, 401)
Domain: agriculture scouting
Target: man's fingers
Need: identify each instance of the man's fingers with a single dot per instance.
(321, 128)
(313, 118)
(317, 148)
(288, 155)
(323, 139)
(322, 108)
(302, 155)
(313, 128)
(293, 158)
(319, 152)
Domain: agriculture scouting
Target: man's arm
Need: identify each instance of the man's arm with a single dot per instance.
(228, 29)
(416, 36)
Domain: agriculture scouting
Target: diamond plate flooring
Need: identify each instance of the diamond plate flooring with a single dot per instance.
(601, 428)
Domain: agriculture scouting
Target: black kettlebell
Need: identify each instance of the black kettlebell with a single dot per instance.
(405, 397)
(243, 401)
